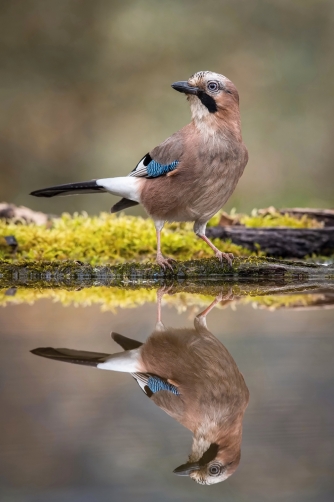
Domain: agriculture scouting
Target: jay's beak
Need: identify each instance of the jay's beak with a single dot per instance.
(187, 469)
(183, 86)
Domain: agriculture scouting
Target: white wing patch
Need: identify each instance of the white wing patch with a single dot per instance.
(141, 168)
(142, 379)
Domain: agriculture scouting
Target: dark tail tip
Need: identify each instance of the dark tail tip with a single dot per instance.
(44, 351)
(71, 355)
(69, 189)
(44, 192)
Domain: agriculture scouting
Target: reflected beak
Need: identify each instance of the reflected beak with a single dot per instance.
(184, 87)
(187, 469)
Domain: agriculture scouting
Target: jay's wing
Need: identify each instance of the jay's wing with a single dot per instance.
(150, 168)
(151, 384)
(171, 404)
(162, 159)
(162, 393)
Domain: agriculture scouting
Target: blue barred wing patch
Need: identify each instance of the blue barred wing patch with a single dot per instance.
(149, 168)
(154, 169)
(155, 384)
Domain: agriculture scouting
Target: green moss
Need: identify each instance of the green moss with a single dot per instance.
(103, 239)
(272, 218)
(275, 219)
(114, 239)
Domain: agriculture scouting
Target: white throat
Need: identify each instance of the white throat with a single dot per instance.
(199, 447)
(201, 116)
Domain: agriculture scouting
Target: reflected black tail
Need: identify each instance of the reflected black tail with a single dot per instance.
(71, 356)
(69, 189)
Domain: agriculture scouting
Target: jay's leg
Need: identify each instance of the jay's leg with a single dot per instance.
(161, 260)
(199, 229)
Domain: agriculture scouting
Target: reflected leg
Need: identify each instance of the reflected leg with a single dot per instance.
(200, 319)
(160, 293)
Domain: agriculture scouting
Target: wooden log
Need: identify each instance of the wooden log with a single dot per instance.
(279, 242)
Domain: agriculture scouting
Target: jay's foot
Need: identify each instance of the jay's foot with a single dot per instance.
(229, 257)
(165, 262)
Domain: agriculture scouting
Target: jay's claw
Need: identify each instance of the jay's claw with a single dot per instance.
(229, 257)
(165, 262)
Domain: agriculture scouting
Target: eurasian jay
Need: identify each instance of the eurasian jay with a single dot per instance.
(192, 174)
(190, 375)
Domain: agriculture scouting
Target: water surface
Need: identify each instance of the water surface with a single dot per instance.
(75, 433)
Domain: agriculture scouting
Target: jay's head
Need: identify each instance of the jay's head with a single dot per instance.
(209, 93)
(215, 465)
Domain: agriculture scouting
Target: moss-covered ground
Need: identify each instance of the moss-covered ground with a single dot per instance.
(107, 238)
(102, 239)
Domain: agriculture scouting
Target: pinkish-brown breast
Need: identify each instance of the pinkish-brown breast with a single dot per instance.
(206, 176)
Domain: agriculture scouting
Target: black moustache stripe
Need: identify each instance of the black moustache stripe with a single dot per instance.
(209, 455)
(208, 101)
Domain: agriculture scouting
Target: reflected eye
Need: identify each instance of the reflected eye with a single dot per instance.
(214, 470)
(213, 86)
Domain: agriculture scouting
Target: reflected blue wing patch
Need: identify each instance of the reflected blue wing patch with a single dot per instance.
(155, 384)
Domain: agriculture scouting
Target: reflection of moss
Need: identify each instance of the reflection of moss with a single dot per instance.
(104, 239)
(274, 302)
(108, 298)
(194, 298)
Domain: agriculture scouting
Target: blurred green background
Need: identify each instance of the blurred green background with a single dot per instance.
(85, 92)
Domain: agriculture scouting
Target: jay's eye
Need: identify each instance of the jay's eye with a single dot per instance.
(213, 86)
(214, 470)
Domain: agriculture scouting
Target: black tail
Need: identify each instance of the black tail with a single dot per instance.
(69, 189)
(123, 204)
(71, 356)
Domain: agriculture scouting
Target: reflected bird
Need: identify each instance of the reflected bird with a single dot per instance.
(192, 174)
(191, 376)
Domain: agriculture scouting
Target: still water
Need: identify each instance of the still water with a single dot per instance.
(253, 372)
